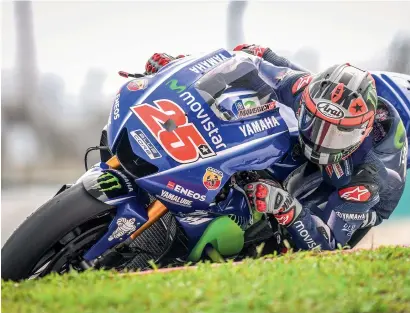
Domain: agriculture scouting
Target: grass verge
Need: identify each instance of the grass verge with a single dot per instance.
(362, 281)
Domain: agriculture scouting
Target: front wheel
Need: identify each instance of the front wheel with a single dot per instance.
(56, 235)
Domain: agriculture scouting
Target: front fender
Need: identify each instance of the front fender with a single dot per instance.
(111, 186)
(115, 188)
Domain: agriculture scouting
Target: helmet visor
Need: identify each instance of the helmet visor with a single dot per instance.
(328, 137)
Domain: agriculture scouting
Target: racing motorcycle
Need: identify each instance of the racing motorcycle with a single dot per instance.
(170, 184)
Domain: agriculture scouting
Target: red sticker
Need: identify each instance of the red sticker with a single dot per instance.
(337, 92)
(171, 185)
(212, 178)
(138, 84)
(338, 170)
(285, 218)
(301, 83)
(355, 193)
(329, 170)
(184, 143)
(357, 107)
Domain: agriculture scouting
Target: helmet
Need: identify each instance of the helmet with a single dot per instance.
(336, 113)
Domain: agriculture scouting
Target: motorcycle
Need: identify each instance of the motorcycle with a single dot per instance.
(170, 184)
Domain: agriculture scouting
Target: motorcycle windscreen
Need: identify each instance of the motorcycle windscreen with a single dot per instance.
(238, 73)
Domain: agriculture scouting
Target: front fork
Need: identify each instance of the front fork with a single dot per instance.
(105, 183)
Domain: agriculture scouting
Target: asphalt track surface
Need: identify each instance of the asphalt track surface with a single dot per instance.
(15, 207)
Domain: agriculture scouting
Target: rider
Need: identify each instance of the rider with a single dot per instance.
(345, 132)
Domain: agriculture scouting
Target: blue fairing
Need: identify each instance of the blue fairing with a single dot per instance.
(236, 146)
(184, 153)
(395, 88)
(182, 182)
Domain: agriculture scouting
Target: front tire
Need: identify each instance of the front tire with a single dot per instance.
(72, 219)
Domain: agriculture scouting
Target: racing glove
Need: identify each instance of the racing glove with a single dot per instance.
(256, 50)
(268, 196)
(268, 55)
(157, 61)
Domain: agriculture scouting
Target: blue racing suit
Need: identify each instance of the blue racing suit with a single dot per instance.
(356, 193)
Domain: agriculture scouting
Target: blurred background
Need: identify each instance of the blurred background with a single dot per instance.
(60, 62)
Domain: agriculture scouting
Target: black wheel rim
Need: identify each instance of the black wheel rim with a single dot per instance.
(66, 254)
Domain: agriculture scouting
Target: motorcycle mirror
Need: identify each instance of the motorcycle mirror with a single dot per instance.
(126, 75)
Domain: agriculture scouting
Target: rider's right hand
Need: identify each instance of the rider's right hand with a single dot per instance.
(256, 50)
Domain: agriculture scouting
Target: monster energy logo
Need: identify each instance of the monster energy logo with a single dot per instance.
(400, 136)
(337, 157)
(108, 182)
(173, 85)
(371, 95)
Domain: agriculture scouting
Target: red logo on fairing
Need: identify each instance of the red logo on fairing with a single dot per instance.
(137, 84)
(171, 185)
(212, 178)
(169, 125)
(355, 193)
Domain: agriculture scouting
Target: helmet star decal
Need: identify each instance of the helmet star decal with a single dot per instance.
(358, 107)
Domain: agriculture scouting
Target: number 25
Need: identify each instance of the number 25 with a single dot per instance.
(182, 143)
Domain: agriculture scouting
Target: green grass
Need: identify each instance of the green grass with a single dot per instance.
(362, 281)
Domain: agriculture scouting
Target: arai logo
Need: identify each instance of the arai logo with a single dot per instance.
(330, 110)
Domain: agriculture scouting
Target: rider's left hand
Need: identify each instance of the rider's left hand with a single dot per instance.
(157, 61)
(267, 196)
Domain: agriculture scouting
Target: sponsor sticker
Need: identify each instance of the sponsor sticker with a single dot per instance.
(285, 218)
(301, 83)
(347, 167)
(239, 105)
(124, 227)
(330, 110)
(212, 178)
(170, 197)
(301, 229)
(349, 229)
(146, 144)
(258, 126)
(338, 170)
(116, 108)
(257, 109)
(185, 191)
(337, 92)
(169, 125)
(137, 84)
(329, 170)
(207, 124)
(196, 217)
(209, 63)
(355, 193)
(195, 220)
(174, 85)
(112, 185)
(351, 216)
(246, 103)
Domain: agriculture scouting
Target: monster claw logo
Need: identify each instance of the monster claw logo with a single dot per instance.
(212, 178)
(108, 183)
(372, 95)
